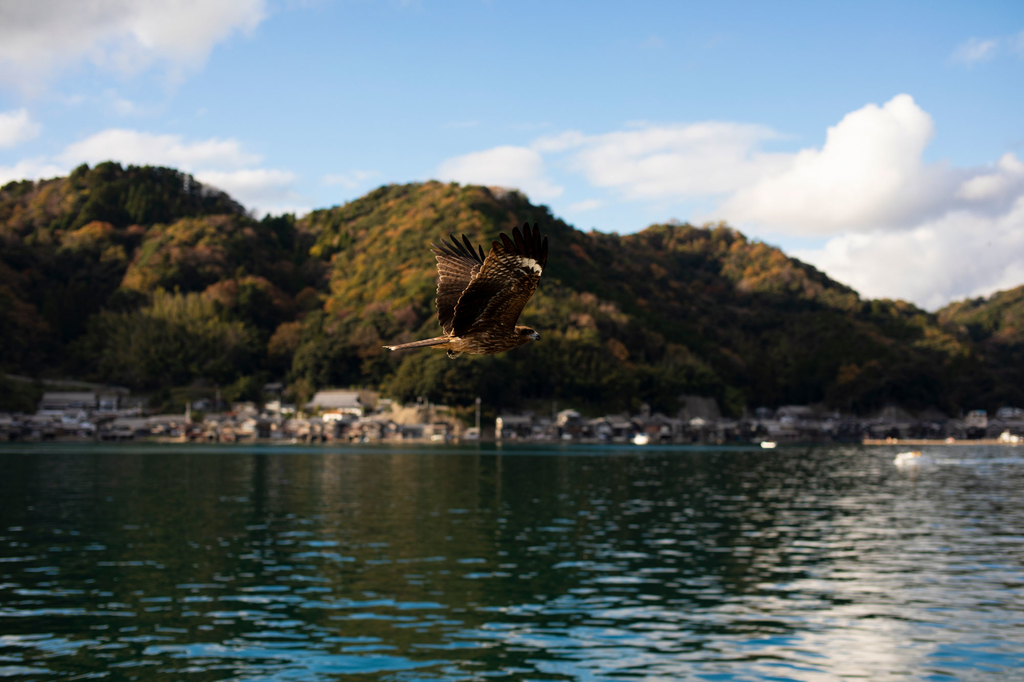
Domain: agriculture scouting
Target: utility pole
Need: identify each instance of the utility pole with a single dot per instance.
(478, 416)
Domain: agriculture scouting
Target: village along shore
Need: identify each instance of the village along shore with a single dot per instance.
(111, 414)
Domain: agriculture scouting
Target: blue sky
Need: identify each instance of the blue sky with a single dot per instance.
(880, 141)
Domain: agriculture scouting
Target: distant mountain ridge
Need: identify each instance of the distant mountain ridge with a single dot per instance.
(143, 276)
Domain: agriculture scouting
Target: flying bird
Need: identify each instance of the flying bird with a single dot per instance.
(479, 299)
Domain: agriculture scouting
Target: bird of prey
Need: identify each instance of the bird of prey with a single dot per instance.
(479, 299)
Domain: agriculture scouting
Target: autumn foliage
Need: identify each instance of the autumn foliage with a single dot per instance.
(144, 277)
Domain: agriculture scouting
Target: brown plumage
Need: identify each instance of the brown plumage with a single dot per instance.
(479, 299)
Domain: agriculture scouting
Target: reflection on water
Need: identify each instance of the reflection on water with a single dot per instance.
(588, 564)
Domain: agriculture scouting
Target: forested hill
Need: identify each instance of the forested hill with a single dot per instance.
(143, 277)
(994, 328)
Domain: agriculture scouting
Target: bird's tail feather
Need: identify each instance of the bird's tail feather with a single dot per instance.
(438, 341)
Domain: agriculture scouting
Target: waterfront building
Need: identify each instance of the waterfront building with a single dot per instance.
(338, 401)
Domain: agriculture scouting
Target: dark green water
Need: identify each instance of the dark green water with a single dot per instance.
(188, 563)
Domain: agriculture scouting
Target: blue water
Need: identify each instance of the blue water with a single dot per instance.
(258, 563)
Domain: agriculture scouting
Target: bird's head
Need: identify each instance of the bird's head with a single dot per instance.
(526, 334)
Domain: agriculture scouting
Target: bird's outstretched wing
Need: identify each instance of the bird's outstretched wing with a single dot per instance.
(456, 266)
(498, 293)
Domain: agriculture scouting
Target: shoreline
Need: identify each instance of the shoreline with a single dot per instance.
(934, 441)
(177, 440)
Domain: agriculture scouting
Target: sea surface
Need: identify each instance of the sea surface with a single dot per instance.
(527, 563)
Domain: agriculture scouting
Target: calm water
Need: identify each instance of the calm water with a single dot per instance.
(178, 563)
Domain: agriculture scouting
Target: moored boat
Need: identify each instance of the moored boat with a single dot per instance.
(911, 458)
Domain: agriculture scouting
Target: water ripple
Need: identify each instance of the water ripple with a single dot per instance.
(812, 564)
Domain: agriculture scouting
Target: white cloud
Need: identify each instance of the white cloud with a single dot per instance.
(124, 107)
(897, 226)
(17, 127)
(124, 35)
(974, 51)
(669, 161)
(350, 180)
(120, 105)
(900, 228)
(251, 183)
(221, 163)
(868, 174)
(560, 142)
(957, 255)
(585, 205)
(265, 189)
(140, 148)
(506, 166)
(1007, 178)
(30, 169)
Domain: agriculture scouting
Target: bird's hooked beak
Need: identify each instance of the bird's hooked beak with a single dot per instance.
(535, 336)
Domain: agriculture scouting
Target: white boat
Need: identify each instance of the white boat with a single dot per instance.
(641, 439)
(912, 458)
(769, 444)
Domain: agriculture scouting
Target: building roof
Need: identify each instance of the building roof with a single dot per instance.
(74, 398)
(70, 395)
(335, 399)
(516, 420)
